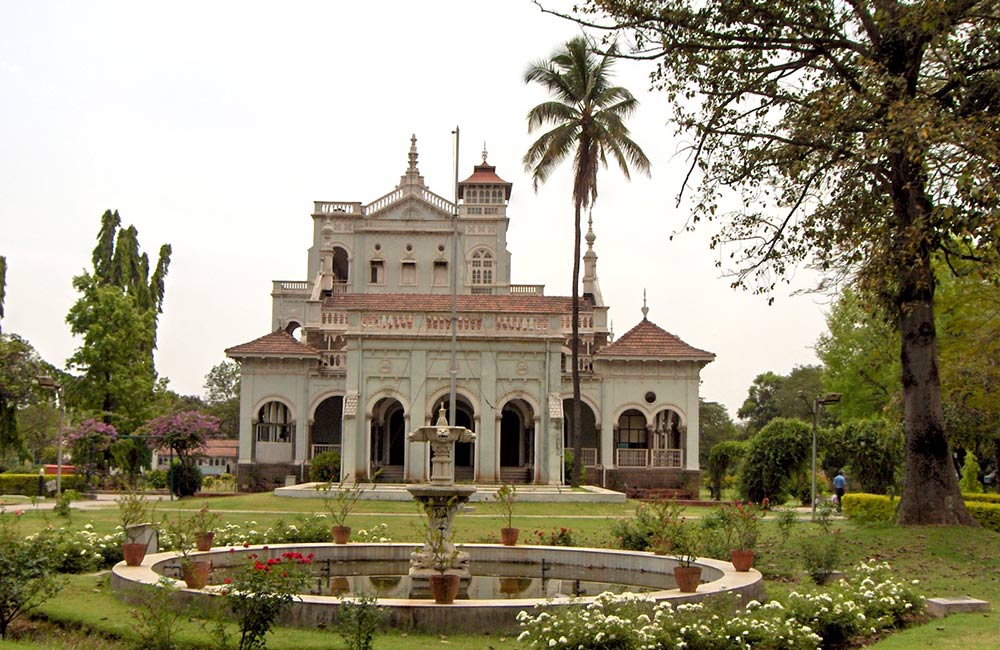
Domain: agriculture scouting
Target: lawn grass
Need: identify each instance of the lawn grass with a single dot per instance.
(948, 561)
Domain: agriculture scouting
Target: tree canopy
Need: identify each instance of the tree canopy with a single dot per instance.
(116, 315)
(857, 135)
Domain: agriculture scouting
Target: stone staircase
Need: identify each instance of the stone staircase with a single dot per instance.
(390, 474)
(515, 475)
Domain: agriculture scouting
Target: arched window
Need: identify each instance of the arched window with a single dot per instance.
(481, 268)
(274, 423)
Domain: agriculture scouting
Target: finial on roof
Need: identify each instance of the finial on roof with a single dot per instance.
(413, 153)
(591, 237)
(645, 309)
(484, 152)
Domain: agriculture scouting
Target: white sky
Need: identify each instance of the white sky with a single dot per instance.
(214, 125)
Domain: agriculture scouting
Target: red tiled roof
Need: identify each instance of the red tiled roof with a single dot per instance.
(465, 303)
(484, 174)
(215, 448)
(278, 343)
(649, 340)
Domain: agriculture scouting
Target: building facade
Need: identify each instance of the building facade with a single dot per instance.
(359, 354)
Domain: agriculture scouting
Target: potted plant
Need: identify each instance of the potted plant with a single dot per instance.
(181, 533)
(745, 521)
(203, 527)
(685, 544)
(133, 509)
(505, 497)
(339, 500)
(443, 585)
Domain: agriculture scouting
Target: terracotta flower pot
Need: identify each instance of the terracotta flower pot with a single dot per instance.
(195, 574)
(508, 536)
(203, 541)
(340, 534)
(133, 553)
(688, 578)
(444, 587)
(742, 559)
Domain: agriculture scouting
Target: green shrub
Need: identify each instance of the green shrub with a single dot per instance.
(156, 479)
(970, 475)
(27, 484)
(821, 555)
(724, 458)
(869, 508)
(27, 569)
(776, 453)
(874, 452)
(185, 480)
(987, 514)
(325, 467)
(985, 498)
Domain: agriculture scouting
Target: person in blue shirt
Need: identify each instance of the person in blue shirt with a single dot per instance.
(840, 486)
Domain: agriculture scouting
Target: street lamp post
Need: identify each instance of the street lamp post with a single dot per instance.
(47, 383)
(814, 407)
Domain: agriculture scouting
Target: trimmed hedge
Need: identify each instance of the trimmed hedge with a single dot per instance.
(985, 498)
(987, 514)
(877, 508)
(27, 484)
(869, 508)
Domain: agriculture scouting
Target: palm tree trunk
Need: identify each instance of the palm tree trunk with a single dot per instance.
(575, 435)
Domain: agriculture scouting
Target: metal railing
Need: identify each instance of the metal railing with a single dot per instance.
(589, 456)
(322, 449)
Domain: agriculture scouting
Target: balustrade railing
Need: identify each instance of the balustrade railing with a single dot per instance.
(588, 455)
(322, 449)
(527, 289)
(336, 207)
(668, 458)
(333, 362)
(631, 457)
(586, 322)
(289, 286)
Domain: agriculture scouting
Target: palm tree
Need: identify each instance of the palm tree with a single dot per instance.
(587, 117)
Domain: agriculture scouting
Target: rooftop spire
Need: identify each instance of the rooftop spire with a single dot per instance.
(590, 232)
(413, 155)
(484, 152)
(645, 309)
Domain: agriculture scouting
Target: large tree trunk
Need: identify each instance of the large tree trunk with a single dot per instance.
(575, 435)
(930, 487)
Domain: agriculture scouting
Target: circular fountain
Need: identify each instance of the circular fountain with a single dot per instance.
(497, 581)
(504, 581)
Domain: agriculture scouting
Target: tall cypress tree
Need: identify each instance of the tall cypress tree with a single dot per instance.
(117, 315)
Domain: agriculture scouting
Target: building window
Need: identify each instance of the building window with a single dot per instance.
(274, 423)
(408, 274)
(481, 268)
(440, 273)
(378, 272)
(631, 431)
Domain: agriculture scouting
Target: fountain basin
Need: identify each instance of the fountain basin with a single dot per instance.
(653, 574)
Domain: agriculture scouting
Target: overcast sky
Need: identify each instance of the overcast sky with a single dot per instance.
(213, 126)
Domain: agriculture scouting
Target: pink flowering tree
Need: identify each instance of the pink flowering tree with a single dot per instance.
(185, 434)
(90, 444)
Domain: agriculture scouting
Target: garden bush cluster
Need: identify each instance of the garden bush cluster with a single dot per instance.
(878, 508)
(870, 601)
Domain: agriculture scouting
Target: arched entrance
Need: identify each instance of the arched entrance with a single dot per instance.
(588, 430)
(517, 442)
(341, 265)
(465, 452)
(667, 448)
(388, 440)
(631, 440)
(325, 432)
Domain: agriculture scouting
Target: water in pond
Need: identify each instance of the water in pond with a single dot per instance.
(490, 581)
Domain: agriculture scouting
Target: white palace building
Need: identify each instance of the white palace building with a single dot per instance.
(359, 354)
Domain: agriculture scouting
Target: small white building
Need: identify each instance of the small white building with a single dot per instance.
(220, 457)
(358, 355)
